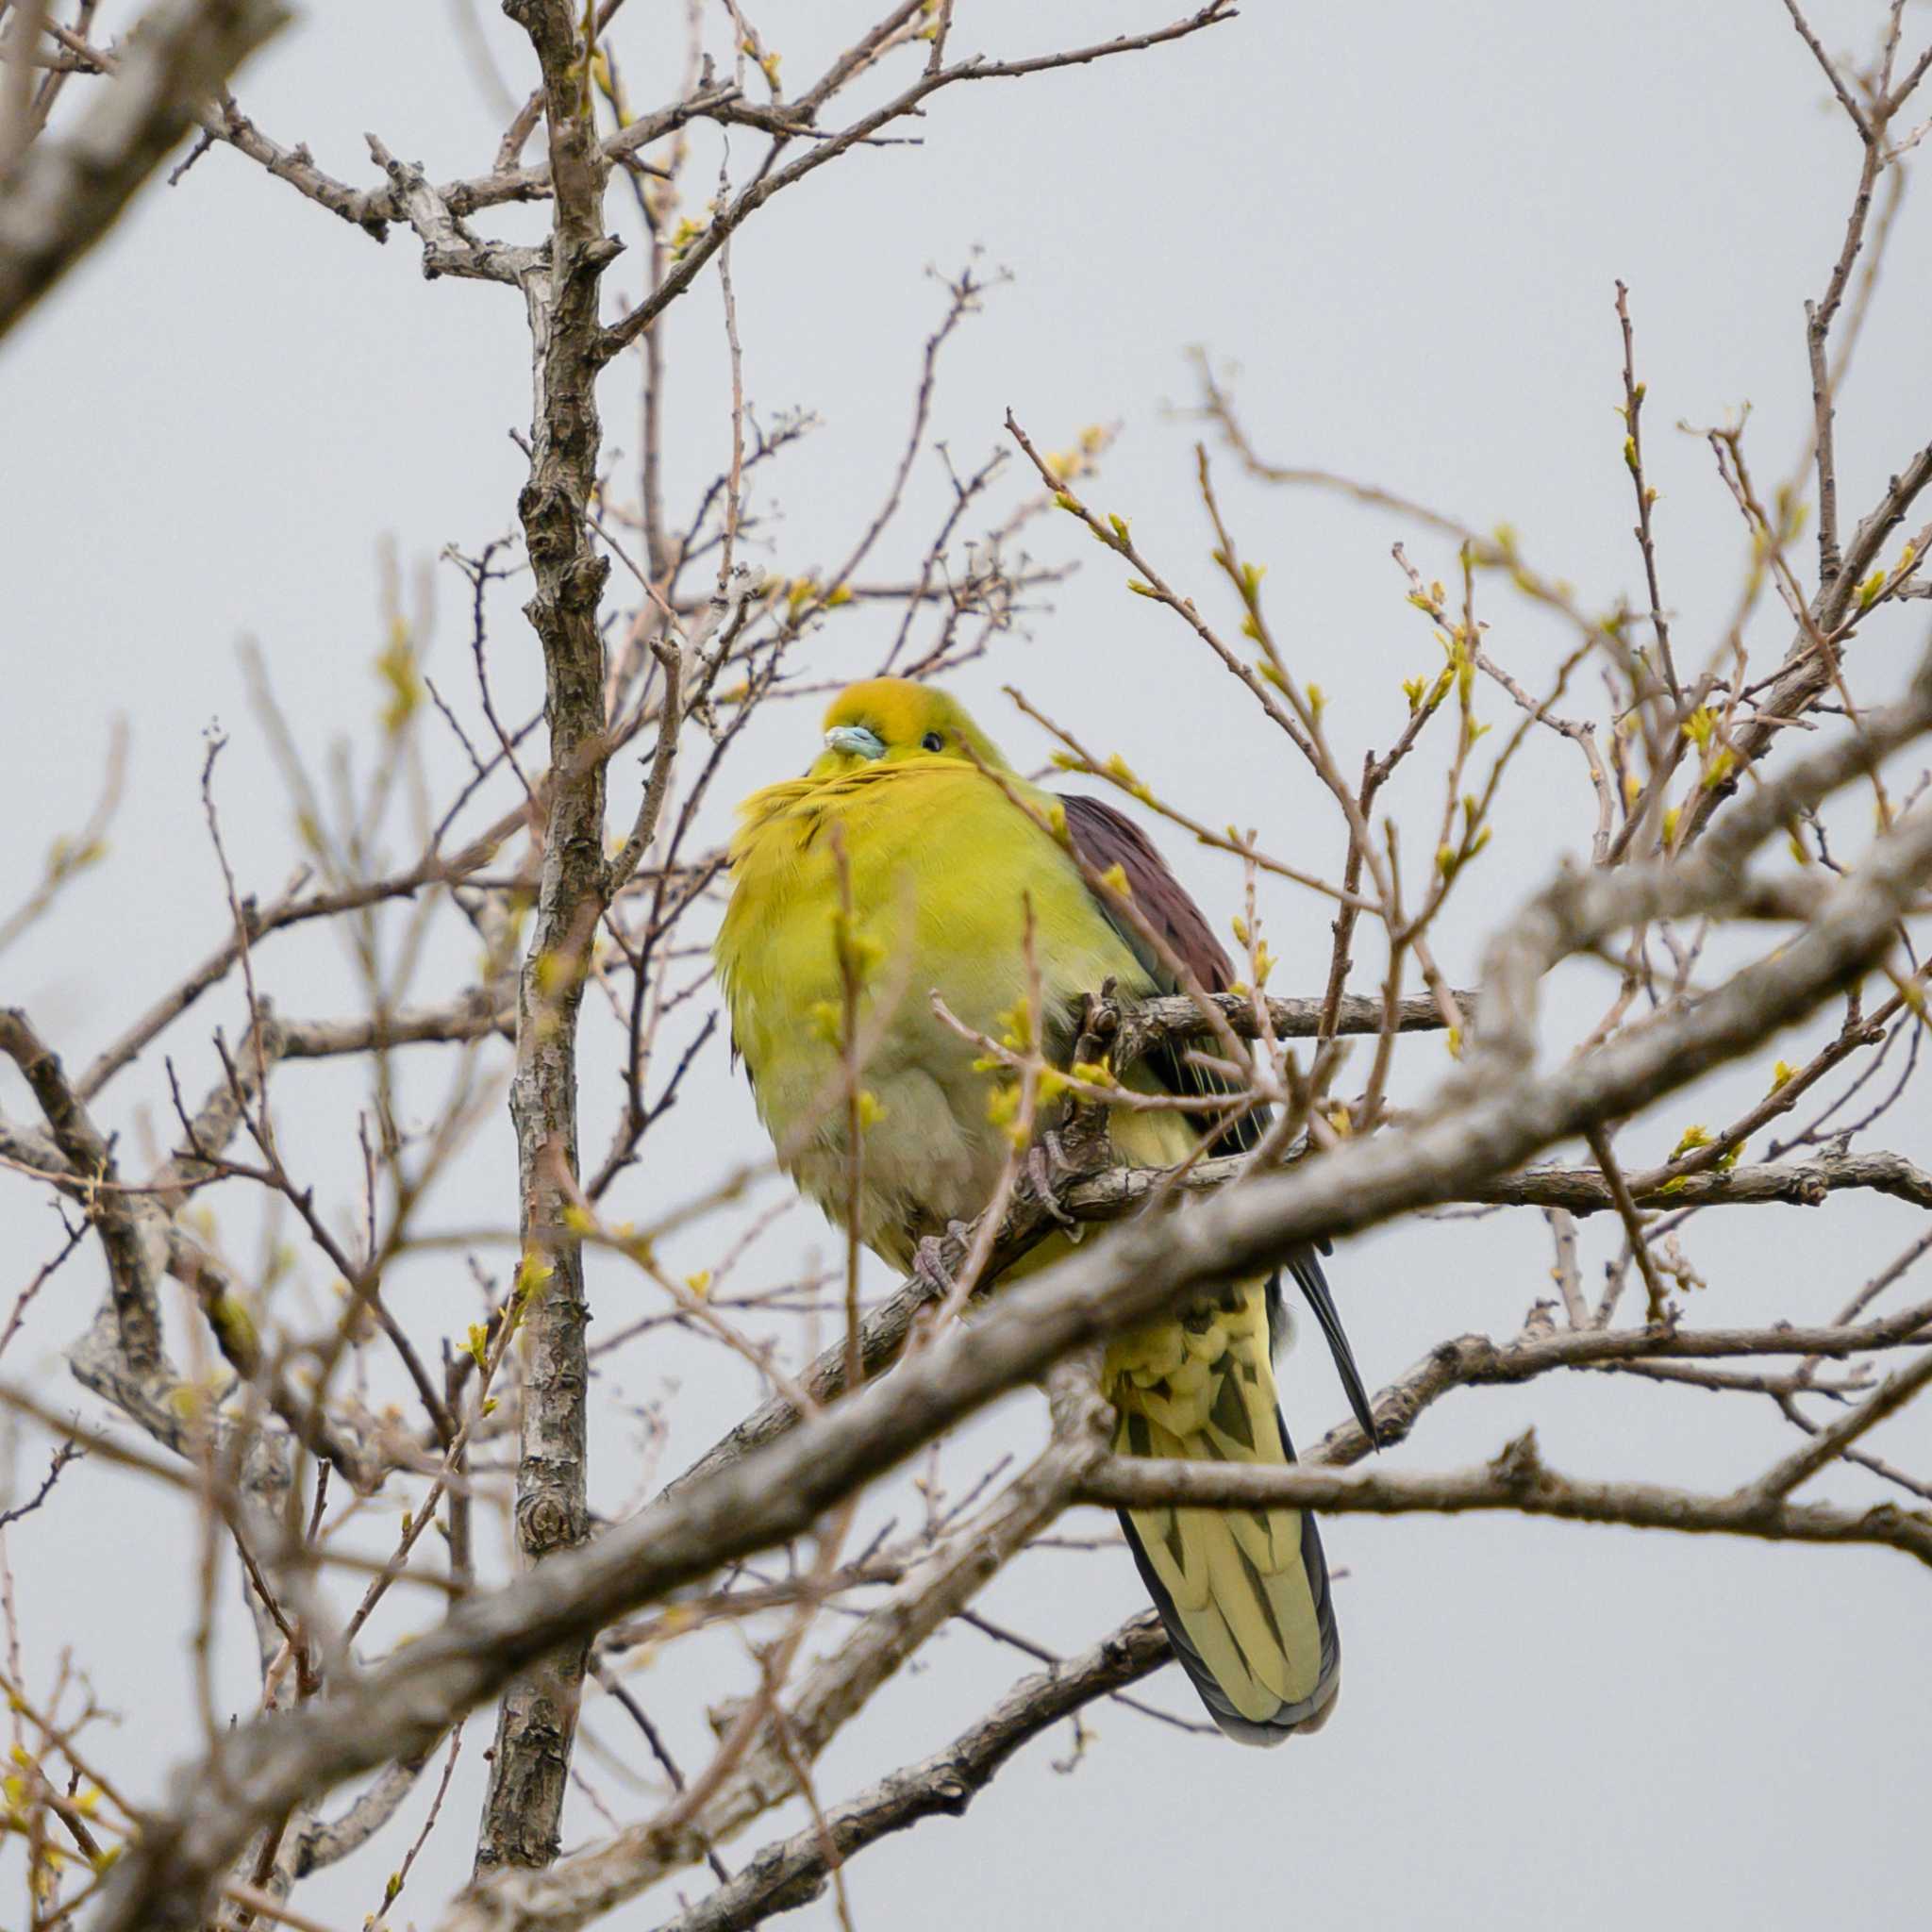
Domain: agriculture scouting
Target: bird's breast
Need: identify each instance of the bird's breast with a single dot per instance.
(937, 887)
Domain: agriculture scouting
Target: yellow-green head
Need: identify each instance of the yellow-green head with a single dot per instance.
(890, 720)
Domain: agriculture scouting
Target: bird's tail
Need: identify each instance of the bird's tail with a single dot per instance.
(1243, 1593)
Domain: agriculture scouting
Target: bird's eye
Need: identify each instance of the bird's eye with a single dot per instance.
(932, 742)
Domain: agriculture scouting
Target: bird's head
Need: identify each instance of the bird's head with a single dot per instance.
(890, 720)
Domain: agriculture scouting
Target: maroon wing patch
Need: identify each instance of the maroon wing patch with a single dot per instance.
(1103, 838)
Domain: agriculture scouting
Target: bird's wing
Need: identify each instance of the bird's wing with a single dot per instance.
(1105, 838)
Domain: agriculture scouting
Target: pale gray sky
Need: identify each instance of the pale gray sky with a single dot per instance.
(1403, 223)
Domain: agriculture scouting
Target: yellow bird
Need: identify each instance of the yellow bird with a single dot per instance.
(945, 846)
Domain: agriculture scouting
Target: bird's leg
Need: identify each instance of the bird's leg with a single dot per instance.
(1081, 1142)
(936, 1257)
(1046, 1166)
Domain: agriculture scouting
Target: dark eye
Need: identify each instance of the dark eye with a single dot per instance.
(932, 742)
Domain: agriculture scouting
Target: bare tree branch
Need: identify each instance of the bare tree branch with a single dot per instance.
(1516, 1480)
(1485, 1121)
(793, 1872)
(59, 197)
(537, 1722)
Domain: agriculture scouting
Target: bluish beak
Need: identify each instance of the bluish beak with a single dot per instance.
(854, 740)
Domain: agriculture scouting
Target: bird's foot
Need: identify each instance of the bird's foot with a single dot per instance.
(931, 1266)
(1046, 1167)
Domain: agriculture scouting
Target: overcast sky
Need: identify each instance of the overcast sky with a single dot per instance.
(1402, 224)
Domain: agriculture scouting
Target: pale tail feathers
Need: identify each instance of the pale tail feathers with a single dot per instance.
(1243, 1593)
